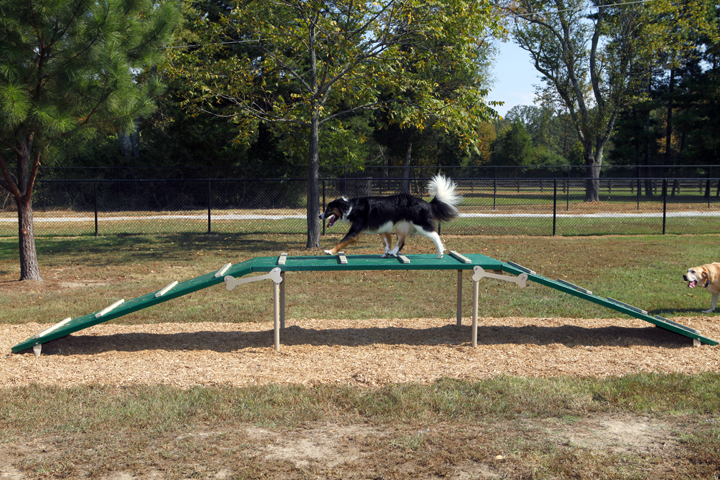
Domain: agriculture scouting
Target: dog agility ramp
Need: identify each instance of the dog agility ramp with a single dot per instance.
(610, 303)
(257, 265)
(275, 268)
(121, 307)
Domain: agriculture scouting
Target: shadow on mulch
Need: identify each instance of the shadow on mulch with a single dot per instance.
(234, 341)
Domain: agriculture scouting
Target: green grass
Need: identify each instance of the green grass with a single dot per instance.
(52, 410)
(463, 226)
(95, 430)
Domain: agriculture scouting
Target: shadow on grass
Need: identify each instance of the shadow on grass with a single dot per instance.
(450, 335)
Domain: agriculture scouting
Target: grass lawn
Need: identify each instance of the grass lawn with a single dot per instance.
(637, 426)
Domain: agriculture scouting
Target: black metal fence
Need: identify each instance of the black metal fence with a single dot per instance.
(144, 172)
(491, 206)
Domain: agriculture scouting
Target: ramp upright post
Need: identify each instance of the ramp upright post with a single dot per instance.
(476, 294)
(282, 300)
(459, 298)
(276, 305)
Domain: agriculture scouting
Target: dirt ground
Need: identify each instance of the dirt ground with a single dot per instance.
(368, 353)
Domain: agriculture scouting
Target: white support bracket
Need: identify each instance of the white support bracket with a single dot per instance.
(478, 274)
(232, 282)
(276, 275)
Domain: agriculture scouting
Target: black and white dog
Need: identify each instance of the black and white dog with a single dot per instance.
(403, 214)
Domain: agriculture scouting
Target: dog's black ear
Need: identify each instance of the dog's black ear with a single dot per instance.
(343, 205)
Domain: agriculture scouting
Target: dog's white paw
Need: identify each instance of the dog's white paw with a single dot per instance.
(328, 252)
(710, 310)
(440, 255)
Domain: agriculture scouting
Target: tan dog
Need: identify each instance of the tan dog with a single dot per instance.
(707, 276)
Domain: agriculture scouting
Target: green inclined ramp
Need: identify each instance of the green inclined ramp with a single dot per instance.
(613, 305)
(131, 306)
(332, 263)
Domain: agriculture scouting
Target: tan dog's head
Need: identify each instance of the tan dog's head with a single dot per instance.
(697, 275)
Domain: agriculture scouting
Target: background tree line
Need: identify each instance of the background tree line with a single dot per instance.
(339, 82)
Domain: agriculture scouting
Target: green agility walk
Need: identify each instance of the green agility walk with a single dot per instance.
(274, 269)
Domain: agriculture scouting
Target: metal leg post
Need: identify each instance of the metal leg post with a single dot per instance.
(459, 298)
(282, 300)
(476, 294)
(276, 301)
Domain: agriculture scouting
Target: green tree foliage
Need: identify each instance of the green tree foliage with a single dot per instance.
(553, 140)
(304, 65)
(513, 146)
(679, 29)
(674, 122)
(68, 65)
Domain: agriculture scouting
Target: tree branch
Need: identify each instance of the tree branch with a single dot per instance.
(10, 182)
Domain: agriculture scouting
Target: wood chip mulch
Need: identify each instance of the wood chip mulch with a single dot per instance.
(368, 353)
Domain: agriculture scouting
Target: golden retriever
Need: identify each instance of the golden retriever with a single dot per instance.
(707, 276)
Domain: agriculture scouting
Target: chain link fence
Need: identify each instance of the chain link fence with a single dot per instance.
(491, 206)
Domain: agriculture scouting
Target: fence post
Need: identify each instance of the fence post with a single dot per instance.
(95, 206)
(664, 196)
(495, 190)
(567, 195)
(554, 204)
(209, 204)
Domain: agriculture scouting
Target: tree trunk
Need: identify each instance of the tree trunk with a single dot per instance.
(313, 189)
(669, 127)
(406, 168)
(29, 268)
(130, 141)
(21, 188)
(592, 175)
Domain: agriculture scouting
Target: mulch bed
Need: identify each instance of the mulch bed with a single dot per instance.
(368, 353)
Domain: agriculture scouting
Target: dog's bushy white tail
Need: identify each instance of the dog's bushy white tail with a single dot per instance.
(445, 198)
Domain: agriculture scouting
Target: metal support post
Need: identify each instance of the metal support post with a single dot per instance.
(476, 295)
(478, 274)
(282, 300)
(459, 298)
(276, 275)
(276, 311)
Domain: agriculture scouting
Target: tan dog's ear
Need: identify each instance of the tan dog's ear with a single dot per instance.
(702, 274)
(712, 273)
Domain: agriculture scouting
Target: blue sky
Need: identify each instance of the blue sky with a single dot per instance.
(514, 77)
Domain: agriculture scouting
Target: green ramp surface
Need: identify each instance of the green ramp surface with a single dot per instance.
(610, 303)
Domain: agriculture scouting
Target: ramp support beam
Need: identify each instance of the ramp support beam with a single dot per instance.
(478, 274)
(278, 277)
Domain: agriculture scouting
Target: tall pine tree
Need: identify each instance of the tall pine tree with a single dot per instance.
(67, 65)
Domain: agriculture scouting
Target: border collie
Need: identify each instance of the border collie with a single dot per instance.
(404, 214)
